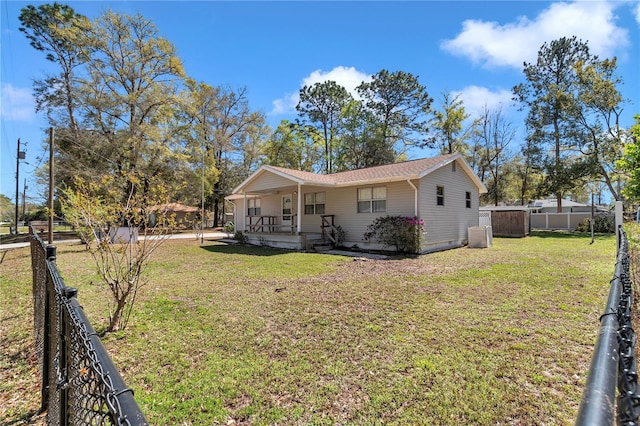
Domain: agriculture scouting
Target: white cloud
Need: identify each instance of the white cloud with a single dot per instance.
(348, 77)
(491, 44)
(476, 98)
(637, 13)
(16, 103)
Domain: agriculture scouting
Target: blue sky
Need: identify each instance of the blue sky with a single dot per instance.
(472, 48)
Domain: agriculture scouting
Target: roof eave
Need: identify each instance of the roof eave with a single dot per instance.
(377, 180)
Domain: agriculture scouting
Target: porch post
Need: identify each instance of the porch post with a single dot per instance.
(299, 212)
(243, 212)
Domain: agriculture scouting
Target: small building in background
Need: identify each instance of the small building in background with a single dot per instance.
(185, 216)
(508, 221)
(550, 205)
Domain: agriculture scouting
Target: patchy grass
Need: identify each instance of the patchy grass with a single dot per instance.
(246, 335)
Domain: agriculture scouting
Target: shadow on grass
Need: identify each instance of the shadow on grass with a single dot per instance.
(222, 248)
(250, 250)
(564, 234)
(29, 418)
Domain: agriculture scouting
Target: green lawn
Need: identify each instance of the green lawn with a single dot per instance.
(225, 334)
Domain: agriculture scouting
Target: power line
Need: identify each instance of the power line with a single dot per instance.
(89, 150)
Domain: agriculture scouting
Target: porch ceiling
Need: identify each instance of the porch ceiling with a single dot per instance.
(272, 191)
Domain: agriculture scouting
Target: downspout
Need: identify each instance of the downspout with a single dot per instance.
(415, 198)
(299, 212)
(415, 208)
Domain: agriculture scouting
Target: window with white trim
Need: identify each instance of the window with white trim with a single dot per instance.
(314, 203)
(440, 195)
(372, 199)
(468, 199)
(253, 207)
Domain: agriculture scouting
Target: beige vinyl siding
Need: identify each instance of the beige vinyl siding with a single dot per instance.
(268, 181)
(312, 222)
(449, 223)
(271, 205)
(343, 204)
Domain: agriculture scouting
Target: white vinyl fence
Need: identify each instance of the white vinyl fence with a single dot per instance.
(558, 221)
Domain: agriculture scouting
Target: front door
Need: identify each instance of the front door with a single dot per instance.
(287, 212)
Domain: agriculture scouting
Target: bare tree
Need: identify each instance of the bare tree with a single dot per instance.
(494, 134)
(120, 257)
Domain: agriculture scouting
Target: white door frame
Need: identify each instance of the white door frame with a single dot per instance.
(287, 213)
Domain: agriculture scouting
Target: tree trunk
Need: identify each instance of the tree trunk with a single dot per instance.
(115, 318)
(616, 194)
(216, 211)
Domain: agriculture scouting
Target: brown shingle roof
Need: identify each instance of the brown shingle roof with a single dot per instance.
(413, 169)
(404, 170)
(175, 207)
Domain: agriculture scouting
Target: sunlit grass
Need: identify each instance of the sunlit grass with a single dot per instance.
(254, 335)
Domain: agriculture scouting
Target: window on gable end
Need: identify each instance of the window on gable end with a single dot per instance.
(440, 195)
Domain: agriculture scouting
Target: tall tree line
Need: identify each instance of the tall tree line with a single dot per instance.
(573, 106)
(122, 104)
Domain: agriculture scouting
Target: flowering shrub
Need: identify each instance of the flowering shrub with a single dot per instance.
(402, 232)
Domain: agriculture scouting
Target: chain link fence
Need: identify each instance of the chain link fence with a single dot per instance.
(80, 383)
(614, 362)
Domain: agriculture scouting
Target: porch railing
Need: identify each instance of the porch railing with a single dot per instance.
(329, 230)
(270, 224)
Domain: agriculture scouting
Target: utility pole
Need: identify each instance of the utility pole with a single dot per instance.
(20, 156)
(203, 218)
(24, 196)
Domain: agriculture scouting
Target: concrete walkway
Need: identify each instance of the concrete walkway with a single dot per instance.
(185, 236)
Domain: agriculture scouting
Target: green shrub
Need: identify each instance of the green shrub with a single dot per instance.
(340, 234)
(401, 232)
(240, 237)
(603, 223)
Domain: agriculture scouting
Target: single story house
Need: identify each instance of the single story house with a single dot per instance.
(287, 208)
(550, 205)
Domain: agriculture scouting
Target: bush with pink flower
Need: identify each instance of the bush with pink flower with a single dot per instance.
(402, 232)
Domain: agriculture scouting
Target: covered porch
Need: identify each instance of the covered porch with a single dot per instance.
(276, 219)
(300, 242)
(281, 209)
(268, 230)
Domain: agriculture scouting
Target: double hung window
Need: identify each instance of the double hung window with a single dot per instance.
(253, 207)
(440, 195)
(372, 199)
(314, 203)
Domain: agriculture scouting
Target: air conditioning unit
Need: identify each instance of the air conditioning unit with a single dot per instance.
(480, 237)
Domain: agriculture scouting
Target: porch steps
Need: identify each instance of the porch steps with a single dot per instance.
(321, 246)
